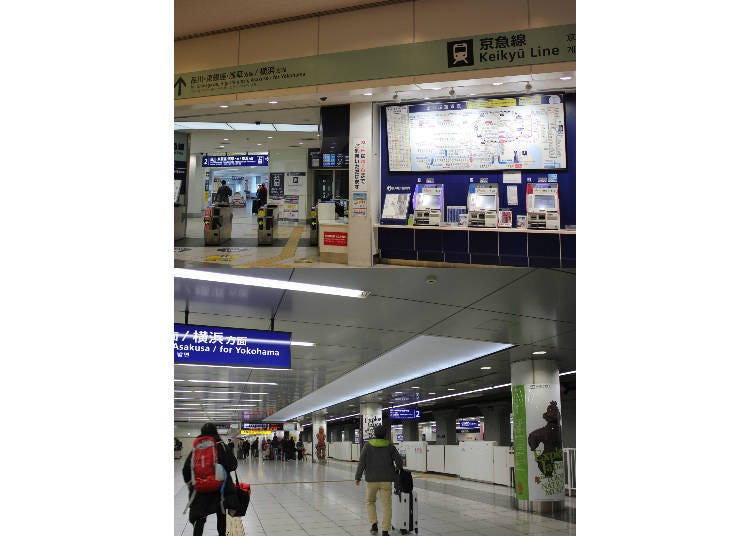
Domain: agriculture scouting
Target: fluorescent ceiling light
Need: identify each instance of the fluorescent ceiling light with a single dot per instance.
(218, 399)
(569, 372)
(452, 395)
(270, 137)
(226, 392)
(431, 393)
(344, 417)
(565, 77)
(201, 126)
(250, 126)
(422, 355)
(285, 127)
(302, 343)
(223, 106)
(273, 102)
(451, 389)
(540, 352)
(228, 366)
(268, 283)
(415, 387)
(368, 93)
(497, 83)
(486, 368)
(228, 381)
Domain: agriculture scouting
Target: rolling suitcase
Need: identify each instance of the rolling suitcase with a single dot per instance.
(405, 517)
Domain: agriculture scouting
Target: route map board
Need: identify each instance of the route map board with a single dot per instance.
(524, 133)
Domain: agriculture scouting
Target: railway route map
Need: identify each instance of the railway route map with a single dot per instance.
(523, 133)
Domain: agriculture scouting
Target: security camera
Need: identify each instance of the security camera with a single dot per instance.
(257, 122)
(528, 86)
(396, 97)
(323, 99)
(452, 92)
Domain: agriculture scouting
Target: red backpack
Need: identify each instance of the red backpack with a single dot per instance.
(207, 474)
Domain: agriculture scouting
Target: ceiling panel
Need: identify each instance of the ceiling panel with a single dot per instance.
(542, 293)
(517, 306)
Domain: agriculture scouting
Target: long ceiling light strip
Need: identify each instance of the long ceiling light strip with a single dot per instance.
(264, 127)
(233, 279)
(227, 381)
(401, 364)
(228, 366)
(344, 417)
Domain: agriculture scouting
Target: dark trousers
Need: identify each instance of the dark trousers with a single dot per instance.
(221, 525)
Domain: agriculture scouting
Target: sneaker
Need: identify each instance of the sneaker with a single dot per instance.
(374, 529)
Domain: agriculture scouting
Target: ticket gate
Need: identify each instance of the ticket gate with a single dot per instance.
(265, 226)
(314, 226)
(217, 224)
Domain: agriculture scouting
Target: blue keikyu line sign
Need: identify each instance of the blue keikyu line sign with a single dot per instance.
(234, 160)
(403, 413)
(208, 345)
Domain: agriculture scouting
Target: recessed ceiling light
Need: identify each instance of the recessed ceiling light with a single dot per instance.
(260, 144)
(226, 139)
(486, 368)
(273, 102)
(221, 146)
(451, 389)
(224, 106)
(540, 352)
(415, 387)
(565, 77)
(270, 137)
(398, 392)
(427, 98)
(497, 83)
(300, 143)
(368, 93)
(431, 393)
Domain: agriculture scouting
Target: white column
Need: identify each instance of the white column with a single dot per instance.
(371, 416)
(537, 435)
(287, 161)
(362, 183)
(318, 423)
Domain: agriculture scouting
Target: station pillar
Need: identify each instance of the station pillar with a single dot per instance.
(371, 415)
(411, 430)
(537, 435)
(497, 422)
(318, 423)
(445, 426)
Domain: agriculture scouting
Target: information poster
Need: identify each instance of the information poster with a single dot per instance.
(359, 205)
(537, 439)
(516, 133)
(396, 206)
(291, 207)
(294, 183)
(360, 163)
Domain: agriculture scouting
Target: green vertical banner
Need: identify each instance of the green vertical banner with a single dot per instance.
(520, 445)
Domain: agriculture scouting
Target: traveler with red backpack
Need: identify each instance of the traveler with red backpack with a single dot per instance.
(206, 472)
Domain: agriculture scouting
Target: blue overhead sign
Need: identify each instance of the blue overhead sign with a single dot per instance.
(233, 160)
(208, 345)
(404, 413)
(469, 425)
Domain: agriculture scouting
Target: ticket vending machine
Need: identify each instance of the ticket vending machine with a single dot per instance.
(428, 204)
(482, 203)
(542, 206)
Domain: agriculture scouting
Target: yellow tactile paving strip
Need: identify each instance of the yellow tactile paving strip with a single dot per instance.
(287, 252)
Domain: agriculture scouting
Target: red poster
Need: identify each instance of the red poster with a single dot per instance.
(335, 239)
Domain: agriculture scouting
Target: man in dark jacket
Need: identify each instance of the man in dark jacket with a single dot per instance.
(205, 504)
(379, 460)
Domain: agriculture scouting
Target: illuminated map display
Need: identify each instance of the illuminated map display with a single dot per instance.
(525, 133)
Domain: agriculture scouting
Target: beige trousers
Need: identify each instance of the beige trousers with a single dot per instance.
(385, 489)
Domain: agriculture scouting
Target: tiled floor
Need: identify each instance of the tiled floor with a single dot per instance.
(305, 499)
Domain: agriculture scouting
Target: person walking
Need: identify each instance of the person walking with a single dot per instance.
(379, 461)
(254, 448)
(299, 446)
(204, 504)
(223, 193)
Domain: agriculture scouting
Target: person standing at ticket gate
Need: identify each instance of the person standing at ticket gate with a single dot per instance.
(379, 461)
(224, 193)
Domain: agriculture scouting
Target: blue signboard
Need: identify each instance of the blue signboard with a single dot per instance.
(208, 345)
(471, 425)
(404, 413)
(234, 160)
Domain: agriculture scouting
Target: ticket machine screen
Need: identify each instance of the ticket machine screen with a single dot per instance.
(544, 202)
(485, 202)
(430, 201)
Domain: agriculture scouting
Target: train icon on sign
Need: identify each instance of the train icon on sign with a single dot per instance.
(460, 53)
